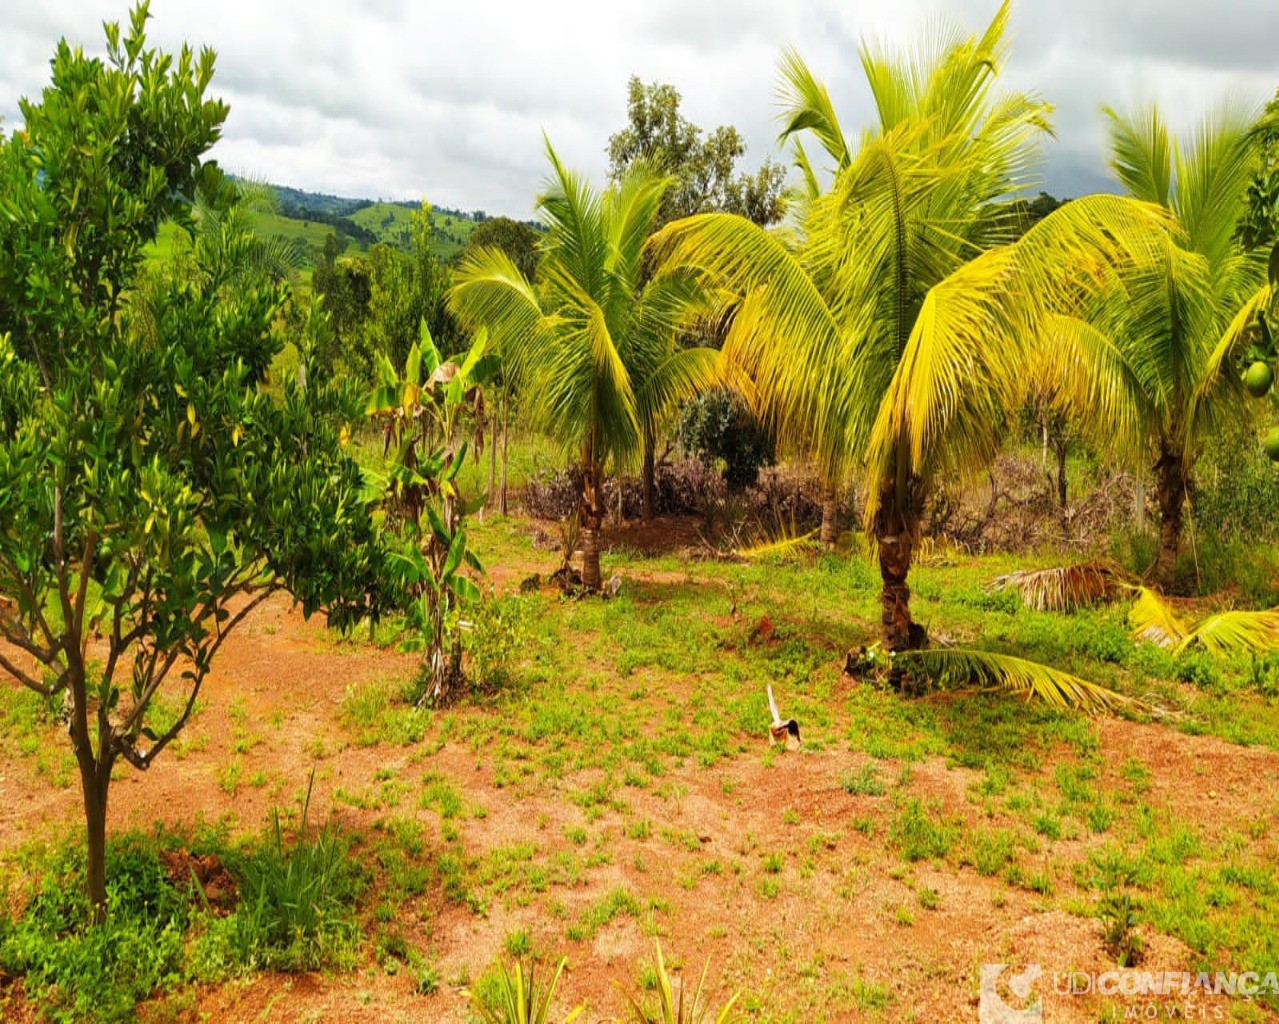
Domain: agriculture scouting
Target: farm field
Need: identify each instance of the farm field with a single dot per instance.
(816, 563)
(619, 787)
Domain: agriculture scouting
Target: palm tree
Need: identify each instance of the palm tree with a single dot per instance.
(594, 345)
(1151, 359)
(897, 334)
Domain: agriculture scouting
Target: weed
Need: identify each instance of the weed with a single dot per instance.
(863, 782)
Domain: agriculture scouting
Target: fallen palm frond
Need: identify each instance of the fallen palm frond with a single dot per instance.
(1067, 587)
(1154, 620)
(1237, 631)
(953, 666)
(783, 547)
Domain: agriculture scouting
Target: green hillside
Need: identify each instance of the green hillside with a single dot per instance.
(390, 223)
(308, 218)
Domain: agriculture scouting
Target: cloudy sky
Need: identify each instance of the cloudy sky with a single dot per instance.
(412, 99)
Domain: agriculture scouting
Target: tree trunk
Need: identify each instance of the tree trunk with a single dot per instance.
(1062, 447)
(895, 532)
(648, 474)
(95, 819)
(95, 776)
(506, 424)
(830, 517)
(591, 517)
(1171, 484)
(490, 501)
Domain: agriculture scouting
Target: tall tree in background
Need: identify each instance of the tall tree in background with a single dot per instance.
(703, 166)
(1156, 351)
(706, 179)
(406, 289)
(344, 283)
(593, 345)
(519, 242)
(901, 330)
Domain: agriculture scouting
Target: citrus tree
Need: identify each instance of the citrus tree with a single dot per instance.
(594, 345)
(153, 492)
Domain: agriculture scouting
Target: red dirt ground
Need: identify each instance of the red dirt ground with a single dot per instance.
(832, 926)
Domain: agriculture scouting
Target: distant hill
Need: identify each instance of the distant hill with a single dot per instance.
(309, 217)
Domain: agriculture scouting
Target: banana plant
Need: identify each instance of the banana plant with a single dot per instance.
(425, 415)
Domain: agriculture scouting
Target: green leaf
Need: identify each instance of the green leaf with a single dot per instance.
(437, 527)
(429, 354)
(413, 367)
(456, 552)
(456, 464)
(465, 589)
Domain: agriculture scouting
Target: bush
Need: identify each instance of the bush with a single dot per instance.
(717, 428)
(1238, 492)
(78, 971)
(683, 487)
(498, 636)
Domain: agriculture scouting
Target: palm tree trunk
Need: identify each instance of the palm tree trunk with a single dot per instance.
(1063, 449)
(491, 501)
(648, 474)
(895, 531)
(830, 517)
(591, 516)
(506, 425)
(1172, 480)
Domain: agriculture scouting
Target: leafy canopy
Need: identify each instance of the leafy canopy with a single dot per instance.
(152, 486)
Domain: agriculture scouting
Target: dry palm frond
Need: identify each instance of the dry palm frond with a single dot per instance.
(781, 548)
(1154, 621)
(1007, 674)
(1067, 587)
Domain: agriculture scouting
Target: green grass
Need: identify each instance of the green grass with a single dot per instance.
(609, 714)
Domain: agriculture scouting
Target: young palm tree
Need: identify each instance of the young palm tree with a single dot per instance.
(898, 334)
(1152, 355)
(594, 344)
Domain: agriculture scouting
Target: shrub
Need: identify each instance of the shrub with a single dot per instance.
(717, 427)
(506, 998)
(79, 971)
(296, 906)
(499, 634)
(920, 833)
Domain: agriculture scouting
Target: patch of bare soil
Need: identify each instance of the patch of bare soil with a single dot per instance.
(764, 866)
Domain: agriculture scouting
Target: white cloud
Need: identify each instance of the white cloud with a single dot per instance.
(449, 101)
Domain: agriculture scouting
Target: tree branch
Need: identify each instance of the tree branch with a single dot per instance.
(141, 759)
(23, 678)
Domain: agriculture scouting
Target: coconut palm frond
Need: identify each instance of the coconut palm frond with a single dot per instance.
(1153, 620)
(953, 666)
(806, 106)
(777, 549)
(1067, 587)
(1231, 632)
